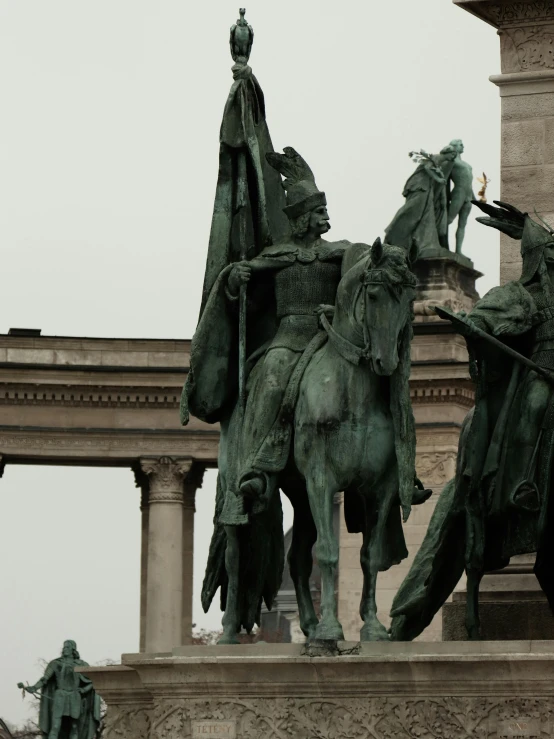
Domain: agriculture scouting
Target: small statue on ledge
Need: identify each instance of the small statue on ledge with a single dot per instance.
(69, 707)
(439, 191)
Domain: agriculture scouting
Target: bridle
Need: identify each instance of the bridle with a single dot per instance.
(348, 350)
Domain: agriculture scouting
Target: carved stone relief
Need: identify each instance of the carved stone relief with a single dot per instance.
(436, 469)
(522, 11)
(528, 48)
(127, 722)
(350, 718)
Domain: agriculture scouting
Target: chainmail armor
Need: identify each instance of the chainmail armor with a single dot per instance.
(543, 332)
(300, 288)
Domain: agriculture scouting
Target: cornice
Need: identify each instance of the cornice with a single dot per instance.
(459, 392)
(505, 13)
(98, 396)
(105, 446)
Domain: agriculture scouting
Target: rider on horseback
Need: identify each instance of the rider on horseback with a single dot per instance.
(289, 285)
(500, 503)
(305, 271)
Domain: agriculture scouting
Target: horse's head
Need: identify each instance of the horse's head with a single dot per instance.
(384, 304)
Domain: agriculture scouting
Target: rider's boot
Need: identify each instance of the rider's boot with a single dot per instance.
(253, 487)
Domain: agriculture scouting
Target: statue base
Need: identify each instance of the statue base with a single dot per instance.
(386, 691)
(446, 279)
(511, 606)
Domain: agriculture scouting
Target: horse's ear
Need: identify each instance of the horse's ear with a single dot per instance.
(413, 252)
(376, 252)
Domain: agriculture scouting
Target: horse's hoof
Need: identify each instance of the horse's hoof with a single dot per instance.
(374, 631)
(397, 629)
(228, 639)
(309, 631)
(329, 631)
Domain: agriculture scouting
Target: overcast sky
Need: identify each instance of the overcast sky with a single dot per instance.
(108, 162)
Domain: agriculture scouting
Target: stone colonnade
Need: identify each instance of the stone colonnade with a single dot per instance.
(67, 400)
(168, 488)
(526, 84)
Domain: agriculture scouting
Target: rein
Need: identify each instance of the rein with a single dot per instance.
(349, 351)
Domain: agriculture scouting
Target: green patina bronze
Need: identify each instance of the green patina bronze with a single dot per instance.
(302, 354)
(69, 707)
(499, 504)
(437, 193)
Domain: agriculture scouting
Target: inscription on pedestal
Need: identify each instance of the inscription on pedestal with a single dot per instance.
(519, 728)
(226, 729)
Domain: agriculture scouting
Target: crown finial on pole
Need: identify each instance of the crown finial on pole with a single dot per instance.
(241, 39)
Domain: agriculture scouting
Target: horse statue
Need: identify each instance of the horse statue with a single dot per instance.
(353, 431)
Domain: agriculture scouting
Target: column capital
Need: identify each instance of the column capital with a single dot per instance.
(142, 482)
(193, 482)
(165, 477)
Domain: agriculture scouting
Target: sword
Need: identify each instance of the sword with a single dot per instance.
(467, 326)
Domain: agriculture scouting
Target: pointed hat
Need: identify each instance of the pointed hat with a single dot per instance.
(303, 194)
(533, 242)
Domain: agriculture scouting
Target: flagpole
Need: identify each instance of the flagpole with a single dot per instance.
(242, 212)
(240, 41)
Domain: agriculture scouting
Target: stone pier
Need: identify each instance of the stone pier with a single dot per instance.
(526, 85)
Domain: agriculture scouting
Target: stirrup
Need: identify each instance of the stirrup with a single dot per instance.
(526, 496)
(260, 484)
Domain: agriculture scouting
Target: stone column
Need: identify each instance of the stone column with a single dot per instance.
(192, 483)
(526, 31)
(141, 481)
(164, 577)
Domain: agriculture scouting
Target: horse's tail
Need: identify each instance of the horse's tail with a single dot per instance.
(404, 423)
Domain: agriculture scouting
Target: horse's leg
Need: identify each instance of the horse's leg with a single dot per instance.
(371, 556)
(474, 572)
(320, 494)
(300, 555)
(473, 622)
(231, 618)
(475, 557)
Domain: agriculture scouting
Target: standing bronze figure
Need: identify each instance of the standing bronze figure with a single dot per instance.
(69, 707)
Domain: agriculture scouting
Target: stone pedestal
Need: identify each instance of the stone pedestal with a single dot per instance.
(442, 394)
(526, 31)
(447, 280)
(511, 606)
(381, 691)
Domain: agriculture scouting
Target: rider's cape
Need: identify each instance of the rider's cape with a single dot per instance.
(212, 381)
(508, 313)
(211, 389)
